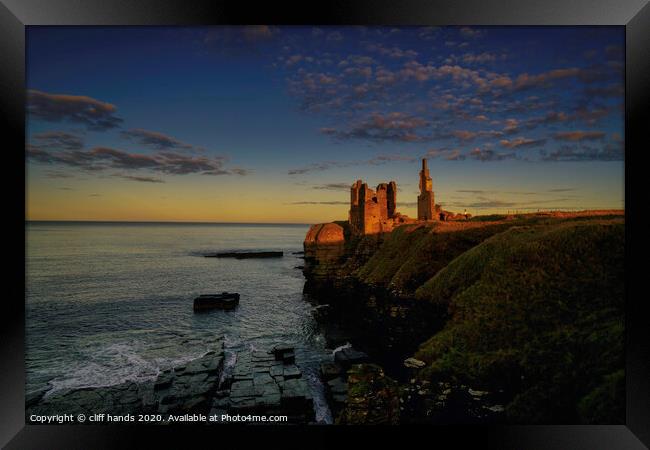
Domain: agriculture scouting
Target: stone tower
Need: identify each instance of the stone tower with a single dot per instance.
(372, 211)
(426, 203)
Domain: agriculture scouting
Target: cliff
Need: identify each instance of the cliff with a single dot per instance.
(529, 305)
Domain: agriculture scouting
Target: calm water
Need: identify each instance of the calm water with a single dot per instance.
(110, 302)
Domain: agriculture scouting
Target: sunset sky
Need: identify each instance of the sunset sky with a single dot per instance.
(273, 124)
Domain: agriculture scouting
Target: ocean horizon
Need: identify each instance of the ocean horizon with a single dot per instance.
(164, 222)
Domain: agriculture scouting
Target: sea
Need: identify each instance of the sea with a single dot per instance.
(110, 302)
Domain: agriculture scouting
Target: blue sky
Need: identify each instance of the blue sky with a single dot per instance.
(267, 123)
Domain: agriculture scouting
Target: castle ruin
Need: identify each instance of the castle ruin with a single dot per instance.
(373, 211)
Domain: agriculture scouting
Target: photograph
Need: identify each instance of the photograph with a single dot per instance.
(325, 225)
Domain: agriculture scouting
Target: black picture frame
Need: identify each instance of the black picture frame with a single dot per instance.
(634, 15)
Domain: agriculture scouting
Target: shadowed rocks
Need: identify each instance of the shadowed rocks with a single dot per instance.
(266, 383)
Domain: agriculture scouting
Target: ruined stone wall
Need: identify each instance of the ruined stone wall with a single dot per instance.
(373, 211)
(382, 197)
(426, 206)
(391, 199)
(367, 208)
(355, 217)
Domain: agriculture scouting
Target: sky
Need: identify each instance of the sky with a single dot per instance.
(274, 124)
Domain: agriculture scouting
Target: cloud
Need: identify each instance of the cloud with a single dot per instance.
(95, 114)
(472, 191)
(561, 190)
(511, 126)
(428, 33)
(526, 81)
(392, 52)
(481, 58)
(389, 93)
(239, 171)
(579, 135)
(326, 165)
(333, 186)
(141, 179)
(58, 140)
(256, 33)
(227, 35)
(550, 117)
(155, 140)
(104, 158)
(121, 159)
(320, 203)
(610, 151)
(395, 126)
(53, 174)
(522, 142)
(591, 116)
(468, 32)
(489, 155)
(464, 135)
(447, 154)
(490, 203)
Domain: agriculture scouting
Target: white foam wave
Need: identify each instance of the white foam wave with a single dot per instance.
(112, 365)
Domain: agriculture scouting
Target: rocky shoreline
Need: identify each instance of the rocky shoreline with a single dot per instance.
(260, 382)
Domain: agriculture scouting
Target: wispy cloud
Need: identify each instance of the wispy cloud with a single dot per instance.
(58, 140)
(610, 151)
(333, 187)
(141, 179)
(522, 142)
(155, 140)
(320, 203)
(95, 114)
(394, 126)
(326, 165)
(579, 135)
(484, 154)
(104, 158)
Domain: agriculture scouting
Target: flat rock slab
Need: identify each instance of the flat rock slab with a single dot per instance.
(264, 383)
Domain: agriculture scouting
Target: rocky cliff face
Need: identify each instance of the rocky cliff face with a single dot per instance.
(424, 288)
(370, 281)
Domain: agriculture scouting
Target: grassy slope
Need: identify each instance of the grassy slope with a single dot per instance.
(412, 254)
(537, 310)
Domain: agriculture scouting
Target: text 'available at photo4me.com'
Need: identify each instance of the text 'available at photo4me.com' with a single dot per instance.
(155, 418)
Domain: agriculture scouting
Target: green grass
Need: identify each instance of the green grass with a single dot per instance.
(537, 311)
(411, 255)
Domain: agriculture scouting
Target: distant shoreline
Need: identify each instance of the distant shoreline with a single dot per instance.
(134, 222)
(272, 224)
